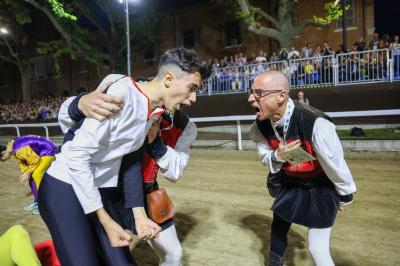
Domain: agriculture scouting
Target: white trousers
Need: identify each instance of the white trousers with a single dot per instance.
(167, 247)
(318, 245)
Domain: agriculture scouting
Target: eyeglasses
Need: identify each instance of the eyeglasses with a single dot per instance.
(259, 93)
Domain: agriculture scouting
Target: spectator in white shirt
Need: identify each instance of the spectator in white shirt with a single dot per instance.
(293, 53)
(261, 58)
(307, 51)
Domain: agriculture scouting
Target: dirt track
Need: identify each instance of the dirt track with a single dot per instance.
(224, 218)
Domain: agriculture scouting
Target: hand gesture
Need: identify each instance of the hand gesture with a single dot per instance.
(24, 178)
(154, 130)
(116, 234)
(100, 105)
(283, 146)
(343, 207)
(146, 228)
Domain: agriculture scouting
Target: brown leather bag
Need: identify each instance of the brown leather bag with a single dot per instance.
(159, 206)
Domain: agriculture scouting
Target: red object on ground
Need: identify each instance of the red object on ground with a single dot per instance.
(47, 253)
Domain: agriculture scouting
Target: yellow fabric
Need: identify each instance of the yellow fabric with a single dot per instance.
(37, 175)
(27, 158)
(16, 248)
(308, 69)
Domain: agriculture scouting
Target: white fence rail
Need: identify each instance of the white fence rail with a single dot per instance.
(363, 67)
(238, 118)
(18, 126)
(234, 118)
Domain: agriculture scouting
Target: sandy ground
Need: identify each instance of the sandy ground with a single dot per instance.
(223, 215)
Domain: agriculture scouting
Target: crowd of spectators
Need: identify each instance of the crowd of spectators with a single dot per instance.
(308, 51)
(236, 72)
(35, 110)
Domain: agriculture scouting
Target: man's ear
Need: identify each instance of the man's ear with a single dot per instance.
(282, 96)
(168, 79)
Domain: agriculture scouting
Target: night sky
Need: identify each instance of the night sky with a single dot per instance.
(387, 17)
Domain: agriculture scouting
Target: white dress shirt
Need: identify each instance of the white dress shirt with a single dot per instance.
(93, 158)
(175, 160)
(172, 163)
(327, 147)
(64, 120)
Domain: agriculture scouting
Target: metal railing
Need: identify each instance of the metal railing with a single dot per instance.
(313, 71)
(44, 125)
(236, 79)
(395, 52)
(363, 67)
(372, 66)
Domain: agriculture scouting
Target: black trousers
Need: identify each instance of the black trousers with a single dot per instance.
(78, 238)
(279, 230)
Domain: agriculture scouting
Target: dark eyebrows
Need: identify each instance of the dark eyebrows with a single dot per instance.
(193, 86)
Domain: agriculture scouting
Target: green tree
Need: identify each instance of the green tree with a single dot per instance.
(106, 18)
(71, 33)
(17, 46)
(282, 27)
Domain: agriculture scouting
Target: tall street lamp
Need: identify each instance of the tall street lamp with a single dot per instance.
(128, 39)
(344, 27)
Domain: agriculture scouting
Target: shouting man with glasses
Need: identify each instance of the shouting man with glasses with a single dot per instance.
(308, 193)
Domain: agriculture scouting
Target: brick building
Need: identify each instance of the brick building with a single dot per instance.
(212, 30)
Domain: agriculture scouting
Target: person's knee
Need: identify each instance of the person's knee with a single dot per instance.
(174, 255)
(18, 230)
(318, 249)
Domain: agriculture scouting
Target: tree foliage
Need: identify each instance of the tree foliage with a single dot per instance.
(280, 26)
(76, 21)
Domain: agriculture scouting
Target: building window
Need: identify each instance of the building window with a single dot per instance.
(41, 66)
(349, 15)
(188, 39)
(233, 33)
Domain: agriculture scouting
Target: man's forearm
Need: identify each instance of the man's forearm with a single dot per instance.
(73, 109)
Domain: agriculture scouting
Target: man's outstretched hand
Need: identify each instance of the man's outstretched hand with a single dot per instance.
(100, 105)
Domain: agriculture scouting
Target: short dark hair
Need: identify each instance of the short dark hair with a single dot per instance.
(187, 60)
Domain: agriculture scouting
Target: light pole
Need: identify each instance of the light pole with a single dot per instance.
(344, 27)
(128, 39)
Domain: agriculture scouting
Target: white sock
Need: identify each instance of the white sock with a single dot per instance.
(318, 245)
(167, 247)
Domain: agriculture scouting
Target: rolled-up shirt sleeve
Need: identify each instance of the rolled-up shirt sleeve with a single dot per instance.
(174, 161)
(267, 155)
(329, 151)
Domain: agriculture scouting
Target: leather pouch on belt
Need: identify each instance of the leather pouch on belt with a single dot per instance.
(160, 207)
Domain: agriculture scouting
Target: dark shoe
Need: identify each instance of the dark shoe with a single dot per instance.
(275, 259)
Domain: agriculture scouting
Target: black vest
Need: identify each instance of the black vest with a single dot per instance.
(301, 127)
